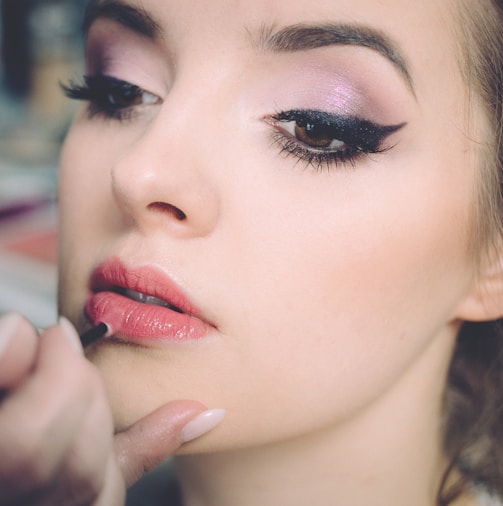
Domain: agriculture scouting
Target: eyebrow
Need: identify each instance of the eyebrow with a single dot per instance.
(303, 37)
(136, 19)
(293, 38)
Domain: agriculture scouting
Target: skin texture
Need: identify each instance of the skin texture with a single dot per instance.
(336, 294)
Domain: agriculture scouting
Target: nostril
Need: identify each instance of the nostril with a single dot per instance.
(163, 207)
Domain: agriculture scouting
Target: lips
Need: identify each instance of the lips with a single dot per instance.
(143, 304)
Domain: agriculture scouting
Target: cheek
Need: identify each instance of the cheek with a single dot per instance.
(86, 213)
(391, 236)
(345, 291)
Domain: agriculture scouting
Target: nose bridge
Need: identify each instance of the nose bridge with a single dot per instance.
(163, 179)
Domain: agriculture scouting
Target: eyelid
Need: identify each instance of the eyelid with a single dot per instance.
(115, 82)
(113, 49)
(351, 129)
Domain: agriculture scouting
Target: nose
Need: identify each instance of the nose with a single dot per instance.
(161, 181)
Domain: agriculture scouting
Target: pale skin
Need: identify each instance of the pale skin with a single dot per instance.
(336, 294)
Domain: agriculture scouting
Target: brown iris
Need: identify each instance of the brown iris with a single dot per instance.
(315, 135)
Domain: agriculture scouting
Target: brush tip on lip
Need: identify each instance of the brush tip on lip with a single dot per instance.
(96, 333)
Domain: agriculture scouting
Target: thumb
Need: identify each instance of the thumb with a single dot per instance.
(18, 350)
(151, 440)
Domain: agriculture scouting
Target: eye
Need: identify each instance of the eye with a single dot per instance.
(127, 95)
(323, 139)
(111, 97)
(315, 135)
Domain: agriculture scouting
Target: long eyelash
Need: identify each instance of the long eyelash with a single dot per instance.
(318, 160)
(362, 137)
(96, 90)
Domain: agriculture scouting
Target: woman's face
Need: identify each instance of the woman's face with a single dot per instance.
(298, 171)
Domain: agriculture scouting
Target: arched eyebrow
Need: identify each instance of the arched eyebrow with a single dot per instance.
(134, 18)
(293, 38)
(304, 37)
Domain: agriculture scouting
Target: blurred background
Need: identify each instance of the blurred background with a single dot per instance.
(40, 46)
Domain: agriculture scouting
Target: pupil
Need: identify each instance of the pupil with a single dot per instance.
(320, 132)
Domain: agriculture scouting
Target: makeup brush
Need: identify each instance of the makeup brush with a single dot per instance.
(95, 334)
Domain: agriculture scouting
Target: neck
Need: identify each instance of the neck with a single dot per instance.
(388, 454)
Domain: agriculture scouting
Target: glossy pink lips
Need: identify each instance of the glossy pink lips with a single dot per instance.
(143, 304)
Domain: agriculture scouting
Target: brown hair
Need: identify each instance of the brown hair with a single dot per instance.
(474, 395)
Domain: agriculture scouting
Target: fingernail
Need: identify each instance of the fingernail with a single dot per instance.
(71, 334)
(8, 325)
(202, 424)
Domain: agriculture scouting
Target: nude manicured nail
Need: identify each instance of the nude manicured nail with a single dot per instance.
(8, 325)
(202, 424)
(71, 334)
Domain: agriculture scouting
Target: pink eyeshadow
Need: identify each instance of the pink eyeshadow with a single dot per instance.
(348, 81)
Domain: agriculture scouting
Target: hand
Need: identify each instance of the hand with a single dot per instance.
(57, 441)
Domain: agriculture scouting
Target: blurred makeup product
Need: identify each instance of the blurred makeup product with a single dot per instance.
(95, 334)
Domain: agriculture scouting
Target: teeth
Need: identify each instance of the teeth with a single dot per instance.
(149, 299)
(131, 294)
(154, 301)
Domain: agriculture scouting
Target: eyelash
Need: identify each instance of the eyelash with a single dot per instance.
(354, 137)
(109, 97)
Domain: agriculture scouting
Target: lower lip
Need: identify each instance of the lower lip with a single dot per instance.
(138, 322)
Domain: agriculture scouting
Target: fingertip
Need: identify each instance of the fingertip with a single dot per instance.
(202, 424)
(71, 334)
(8, 326)
(18, 345)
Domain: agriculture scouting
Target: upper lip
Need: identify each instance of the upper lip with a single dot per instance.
(113, 275)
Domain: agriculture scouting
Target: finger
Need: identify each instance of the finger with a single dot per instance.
(59, 378)
(40, 421)
(154, 438)
(114, 491)
(18, 348)
(85, 469)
